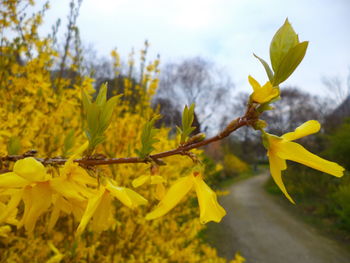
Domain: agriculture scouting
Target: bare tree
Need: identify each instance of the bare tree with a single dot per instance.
(295, 108)
(197, 80)
(336, 89)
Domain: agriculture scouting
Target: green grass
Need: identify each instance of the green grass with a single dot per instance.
(310, 211)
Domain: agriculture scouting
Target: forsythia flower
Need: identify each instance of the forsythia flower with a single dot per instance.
(282, 148)
(151, 179)
(210, 210)
(238, 259)
(57, 257)
(31, 176)
(263, 94)
(99, 206)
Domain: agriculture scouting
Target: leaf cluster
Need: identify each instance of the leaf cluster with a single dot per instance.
(187, 120)
(98, 115)
(148, 138)
(286, 53)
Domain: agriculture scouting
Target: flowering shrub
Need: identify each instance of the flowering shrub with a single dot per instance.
(80, 197)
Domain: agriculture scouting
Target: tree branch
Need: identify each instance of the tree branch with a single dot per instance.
(249, 118)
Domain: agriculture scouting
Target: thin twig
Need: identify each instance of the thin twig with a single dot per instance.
(248, 119)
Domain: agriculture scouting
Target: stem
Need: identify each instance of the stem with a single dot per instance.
(249, 118)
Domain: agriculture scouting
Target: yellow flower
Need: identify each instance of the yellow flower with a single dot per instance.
(210, 210)
(99, 206)
(238, 258)
(57, 255)
(73, 179)
(31, 176)
(282, 148)
(37, 200)
(263, 94)
(4, 231)
(151, 179)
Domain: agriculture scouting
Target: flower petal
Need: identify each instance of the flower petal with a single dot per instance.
(157, 179)
(297, 153)
(307, 128)
(127, 196)
(10, 209)
(12, 180)
(37, 200)
(173, 196)
(66, 188)
(4, 231)
(276, 166)
(31, 169)
(160, 191)
(60, 204)
(140, 180)
(102, 217)
(69, 165)
(255, 85)
(91, 207)
(210, 210)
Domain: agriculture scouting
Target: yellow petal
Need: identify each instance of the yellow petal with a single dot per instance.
(31, 169)
(79, 175)
(136, 199)
(4, 231)
(173, 196)
(276, 166)
(37, 200)
(91, 207)
(69, 165)
(60, 204)
(255, 85)
(102, 217)
(265, 93)
(262, 94)
(12, 180)
(78, 208)
(127, 196)
(57, 257)
(11, 209)
(140, 180)
(160, 191)
(157, 179)
(210, 210)
(307, 128)
(78, 152)
(297, 153)
(66, 188)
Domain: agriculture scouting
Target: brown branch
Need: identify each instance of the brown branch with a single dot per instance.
(249, 118)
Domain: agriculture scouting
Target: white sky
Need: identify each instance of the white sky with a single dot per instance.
(226, 31)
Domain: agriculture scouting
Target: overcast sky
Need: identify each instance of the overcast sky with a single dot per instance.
(226, 31)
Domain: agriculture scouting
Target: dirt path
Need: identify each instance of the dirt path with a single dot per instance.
(263, 232)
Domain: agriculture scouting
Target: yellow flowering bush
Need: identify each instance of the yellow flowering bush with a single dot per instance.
(233, 165)
(103, 184)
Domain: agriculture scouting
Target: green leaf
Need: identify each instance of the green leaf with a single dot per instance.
(98, 116)
(85, 100)
(290, 62)
(93, 114)
(284, 39)
(148, 138)
(102, 95)
(13, 145)
(68, 143)
(267, 68)
(187, 120)
(107, 112)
